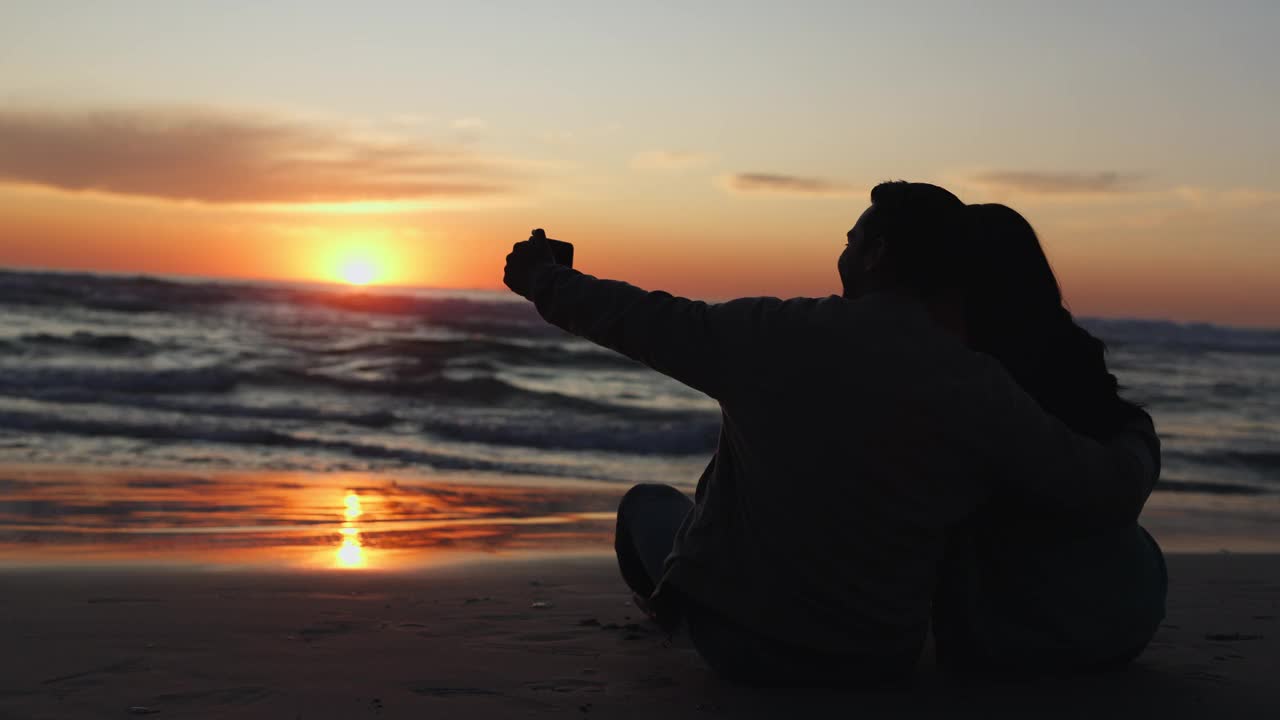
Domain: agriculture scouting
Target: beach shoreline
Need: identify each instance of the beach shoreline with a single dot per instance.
(63, 516)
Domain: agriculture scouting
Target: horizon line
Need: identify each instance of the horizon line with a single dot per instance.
(496, 291)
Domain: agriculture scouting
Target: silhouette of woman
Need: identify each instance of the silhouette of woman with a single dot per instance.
(1025, 587)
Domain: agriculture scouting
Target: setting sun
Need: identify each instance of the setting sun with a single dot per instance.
(365, 264)
(360, 267)
(358, 272)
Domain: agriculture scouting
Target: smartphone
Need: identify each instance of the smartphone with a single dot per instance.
(562, 252)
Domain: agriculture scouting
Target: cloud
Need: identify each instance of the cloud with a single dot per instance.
(218, 157)
(1057, 183)
(756, 182)
(668, 160)
(470, 123)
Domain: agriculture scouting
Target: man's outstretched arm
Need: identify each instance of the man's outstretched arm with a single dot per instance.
(685, 339)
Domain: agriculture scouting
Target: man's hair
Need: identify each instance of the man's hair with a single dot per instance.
(923, 229)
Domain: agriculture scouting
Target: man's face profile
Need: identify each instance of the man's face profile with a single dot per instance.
(859, 259)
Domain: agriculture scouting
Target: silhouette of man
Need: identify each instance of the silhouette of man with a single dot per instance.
(855, 430)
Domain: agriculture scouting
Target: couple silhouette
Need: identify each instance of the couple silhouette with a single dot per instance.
(941, 446)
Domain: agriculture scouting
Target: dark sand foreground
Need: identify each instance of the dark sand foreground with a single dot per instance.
(537, 638)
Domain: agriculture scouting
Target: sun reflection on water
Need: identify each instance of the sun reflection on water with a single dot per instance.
(351, 552)
(353, 511)
(367, 523)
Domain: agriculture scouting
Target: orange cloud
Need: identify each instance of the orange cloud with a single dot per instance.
(219, 157)
(757, 182)
(1052, 183)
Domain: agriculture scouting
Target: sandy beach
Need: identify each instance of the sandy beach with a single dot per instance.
(535, 637)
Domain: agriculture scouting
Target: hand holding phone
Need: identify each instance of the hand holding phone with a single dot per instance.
(560, 250)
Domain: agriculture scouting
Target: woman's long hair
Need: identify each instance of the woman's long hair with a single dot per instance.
(1014, 312)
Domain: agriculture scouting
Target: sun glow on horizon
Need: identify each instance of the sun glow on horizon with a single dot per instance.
(359, 263)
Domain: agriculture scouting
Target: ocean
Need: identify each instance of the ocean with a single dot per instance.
(121, 377)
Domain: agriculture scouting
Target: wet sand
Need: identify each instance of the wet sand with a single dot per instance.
(534, 638)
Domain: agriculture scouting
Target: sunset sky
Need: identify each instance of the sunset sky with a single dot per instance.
(708, 148)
